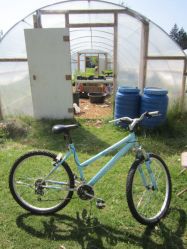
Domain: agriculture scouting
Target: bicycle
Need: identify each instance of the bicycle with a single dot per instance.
(43, 183)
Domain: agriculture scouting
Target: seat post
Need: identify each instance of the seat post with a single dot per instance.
(67, 137)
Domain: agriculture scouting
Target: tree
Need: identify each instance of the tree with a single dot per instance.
(174, 32)
(182, 38)
(179, 35)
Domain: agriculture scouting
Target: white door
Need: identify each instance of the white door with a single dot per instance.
(48, 53)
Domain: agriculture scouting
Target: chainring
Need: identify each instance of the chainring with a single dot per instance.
(85, 192)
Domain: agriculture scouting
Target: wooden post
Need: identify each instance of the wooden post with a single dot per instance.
(1, 112)
(66, 20)
(78, 62)
(37, 20)
(98, 65)
(143, 55)
(106, 61)
(85, 63)
(182, 102)
(115, 40)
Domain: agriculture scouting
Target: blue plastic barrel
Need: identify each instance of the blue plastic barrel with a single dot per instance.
(127, 102)
(154, 99)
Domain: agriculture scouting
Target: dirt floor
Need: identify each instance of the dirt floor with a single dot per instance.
(94, 111)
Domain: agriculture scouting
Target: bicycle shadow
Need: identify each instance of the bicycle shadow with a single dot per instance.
(89, 233)
(171, 238)
(84, 138)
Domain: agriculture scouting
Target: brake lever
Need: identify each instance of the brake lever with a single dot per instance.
(148, 116)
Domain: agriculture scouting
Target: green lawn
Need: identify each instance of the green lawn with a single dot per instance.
(81, 224)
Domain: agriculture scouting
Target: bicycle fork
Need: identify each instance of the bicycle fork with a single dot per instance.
(147, 161)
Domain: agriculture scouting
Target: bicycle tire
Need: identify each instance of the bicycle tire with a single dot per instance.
(41, 192)
(132, 187)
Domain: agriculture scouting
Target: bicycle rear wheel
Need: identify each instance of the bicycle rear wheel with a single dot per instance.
(147, 204)
(37, 191)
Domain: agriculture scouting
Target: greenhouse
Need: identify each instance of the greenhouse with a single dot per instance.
(42, 54)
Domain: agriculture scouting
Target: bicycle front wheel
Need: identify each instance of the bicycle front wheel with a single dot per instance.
(35, 188)
(147, 203)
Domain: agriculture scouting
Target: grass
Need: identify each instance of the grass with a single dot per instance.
(81, 224)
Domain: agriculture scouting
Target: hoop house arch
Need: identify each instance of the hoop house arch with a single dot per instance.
(138, 51)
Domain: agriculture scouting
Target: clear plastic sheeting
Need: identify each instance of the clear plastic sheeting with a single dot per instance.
(51, 21)
(15, 92)
(102, 63)
(84, 5)
(128, 47)
(82, 63)
(91, 38)
(167, 74)
(96, 40)
(13, 45)
(91, 18)
(161, 44)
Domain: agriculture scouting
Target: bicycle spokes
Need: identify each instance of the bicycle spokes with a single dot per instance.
(148, 198)
(35, 187)
(147, 202)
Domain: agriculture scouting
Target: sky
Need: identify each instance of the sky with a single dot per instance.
(164, 13)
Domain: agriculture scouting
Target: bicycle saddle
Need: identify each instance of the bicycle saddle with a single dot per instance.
(63, 128)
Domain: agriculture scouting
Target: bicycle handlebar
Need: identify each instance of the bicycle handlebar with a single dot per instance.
(135, 121)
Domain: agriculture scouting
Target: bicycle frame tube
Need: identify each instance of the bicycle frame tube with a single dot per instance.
(126, 143)
(58, 164)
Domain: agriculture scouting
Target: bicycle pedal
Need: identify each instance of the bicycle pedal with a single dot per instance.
(100, 204)
(75, 176)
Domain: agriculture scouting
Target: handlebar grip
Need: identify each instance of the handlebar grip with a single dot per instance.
(127, 119)
(153, 114)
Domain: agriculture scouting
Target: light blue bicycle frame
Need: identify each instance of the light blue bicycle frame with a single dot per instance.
(124, 145)
(127, 143)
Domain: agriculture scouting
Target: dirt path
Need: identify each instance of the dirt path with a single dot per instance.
(89, 110)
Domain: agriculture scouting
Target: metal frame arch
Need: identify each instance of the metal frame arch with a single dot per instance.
(83, 51)
(92, 43)
(81, 37)
(80, 47)
(93, 29)
(63, 2)
(89, 48)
